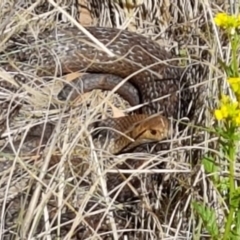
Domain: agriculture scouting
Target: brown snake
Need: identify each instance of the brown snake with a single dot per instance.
(154, 72)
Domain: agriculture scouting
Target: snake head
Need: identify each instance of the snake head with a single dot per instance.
(152, 128)
(142, 129)
(131, 131)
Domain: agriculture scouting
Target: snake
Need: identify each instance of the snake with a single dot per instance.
(155, 77)
(138, 69)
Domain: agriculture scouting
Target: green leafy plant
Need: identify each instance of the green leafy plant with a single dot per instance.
(228, 115)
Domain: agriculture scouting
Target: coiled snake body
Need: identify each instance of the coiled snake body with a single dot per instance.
(153, 72)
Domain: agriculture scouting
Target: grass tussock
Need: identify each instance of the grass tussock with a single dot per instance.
(57, 181)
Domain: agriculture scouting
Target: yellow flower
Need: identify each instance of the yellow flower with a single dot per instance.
(221, 19)
(218, 115)
(222, 113)
(230, 22)
(235, 85)
(225, 99)
(232, 109)
(237, 119)
(225, 111)
(229, 110)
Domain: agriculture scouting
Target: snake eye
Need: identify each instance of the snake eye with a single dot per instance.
(153, 132)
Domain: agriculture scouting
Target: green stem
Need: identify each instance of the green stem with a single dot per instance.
(228, 224)
(231, 155)
(234, 44)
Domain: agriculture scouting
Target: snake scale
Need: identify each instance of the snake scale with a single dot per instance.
(155, 75)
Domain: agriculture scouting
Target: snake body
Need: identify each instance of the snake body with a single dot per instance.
(153, 72)
(69, 50)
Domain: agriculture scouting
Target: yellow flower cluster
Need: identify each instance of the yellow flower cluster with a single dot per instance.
(229, 109)
(226, 21)
(235, 85)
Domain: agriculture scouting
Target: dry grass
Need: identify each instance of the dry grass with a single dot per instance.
(42, 190)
